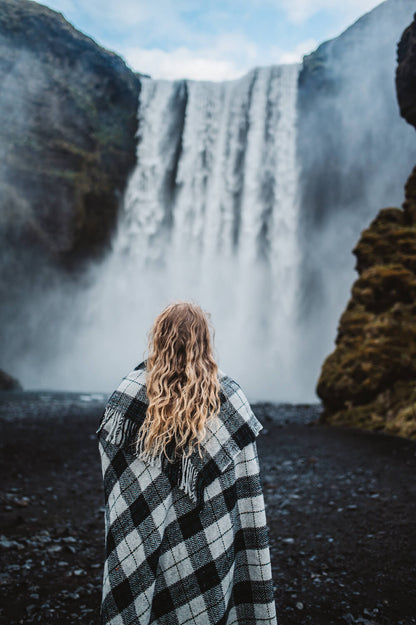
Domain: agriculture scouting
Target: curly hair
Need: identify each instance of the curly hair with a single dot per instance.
(182, 383)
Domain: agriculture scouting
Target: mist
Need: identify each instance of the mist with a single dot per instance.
(247, 198)
(206, 221)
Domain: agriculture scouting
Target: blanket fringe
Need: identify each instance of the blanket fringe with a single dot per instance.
(121, 430)
(187, 478)
(154, 461)
(185, 475)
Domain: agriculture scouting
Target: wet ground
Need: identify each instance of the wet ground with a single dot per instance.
(341, 507)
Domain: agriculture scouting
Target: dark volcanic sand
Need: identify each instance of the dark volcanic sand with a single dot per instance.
(341, 508)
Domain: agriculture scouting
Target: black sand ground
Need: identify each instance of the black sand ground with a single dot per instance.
(341, 508)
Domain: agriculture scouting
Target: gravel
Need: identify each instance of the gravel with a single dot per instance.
(340, 503)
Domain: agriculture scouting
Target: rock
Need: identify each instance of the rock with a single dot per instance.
(7, 383)
(43, 537)
(21, 502)
(67, 135)
(369, 381)
(30, 608)
(5, 543)
(406, 74)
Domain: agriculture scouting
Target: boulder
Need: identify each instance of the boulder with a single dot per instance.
(7, 383)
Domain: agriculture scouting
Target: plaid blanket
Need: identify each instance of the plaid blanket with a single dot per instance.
(186, 543)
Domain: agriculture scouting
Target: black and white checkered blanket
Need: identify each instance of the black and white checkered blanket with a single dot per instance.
(186, 543)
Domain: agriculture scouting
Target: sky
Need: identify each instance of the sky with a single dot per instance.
(210, 39)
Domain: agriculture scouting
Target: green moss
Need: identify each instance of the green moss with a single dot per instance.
(393, 412)
(376, 340)
(381, 286)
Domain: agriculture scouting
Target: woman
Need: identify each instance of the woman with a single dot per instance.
(186, 534)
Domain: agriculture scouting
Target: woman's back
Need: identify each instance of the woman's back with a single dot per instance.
(186, 533)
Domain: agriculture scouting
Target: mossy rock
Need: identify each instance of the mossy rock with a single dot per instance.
(392, 412)
(387, 239)
(409, 204)
(376, 339)
(380, 287)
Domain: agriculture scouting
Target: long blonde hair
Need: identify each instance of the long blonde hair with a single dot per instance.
(182, 383)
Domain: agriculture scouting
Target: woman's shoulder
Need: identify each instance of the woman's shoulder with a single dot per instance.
(230, 387)
(141, 367)
(236, 409)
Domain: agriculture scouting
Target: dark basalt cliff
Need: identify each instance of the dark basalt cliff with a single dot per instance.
(406, 74)
(68, 118)
(369, 381)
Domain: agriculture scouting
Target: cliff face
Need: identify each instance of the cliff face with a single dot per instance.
(67, 135)
(346, 95)
(369, 380)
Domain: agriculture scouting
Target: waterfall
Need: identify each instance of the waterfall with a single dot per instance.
(210, 215)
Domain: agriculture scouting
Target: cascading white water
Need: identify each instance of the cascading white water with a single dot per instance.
(210, 215)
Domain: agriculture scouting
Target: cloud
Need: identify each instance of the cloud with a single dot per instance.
(167, 16)
(295, 55)
(227, 59)
(180, 63)
(217, 41)
(143, 19)
(299, 11)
